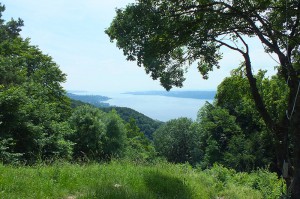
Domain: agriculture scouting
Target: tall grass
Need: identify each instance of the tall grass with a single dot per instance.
(129, 180)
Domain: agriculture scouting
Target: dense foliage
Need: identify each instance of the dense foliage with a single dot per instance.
(164, 37)
(178, 141)
(89, 132)
(234, 95)
(33, 105)
(140, 148)
(229, 131)
(37, 122)
(146, 124)
(218, 132)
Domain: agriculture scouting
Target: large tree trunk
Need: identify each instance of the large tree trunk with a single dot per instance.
(285, 131)
(295, 185)
(281, 147)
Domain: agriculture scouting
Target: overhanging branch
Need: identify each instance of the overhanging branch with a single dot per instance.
(252, 81)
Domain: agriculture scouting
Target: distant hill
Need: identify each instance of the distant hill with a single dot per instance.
(146, 124)
(180, 94)
(96, 100)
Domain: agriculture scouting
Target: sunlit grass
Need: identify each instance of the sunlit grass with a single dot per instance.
(129, 180)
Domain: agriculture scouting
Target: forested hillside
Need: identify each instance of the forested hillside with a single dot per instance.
(147, 125)
(96, 100)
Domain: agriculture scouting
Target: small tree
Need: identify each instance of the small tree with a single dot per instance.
(89, 132)
(178, 141)
(139, 148)
(115, 140)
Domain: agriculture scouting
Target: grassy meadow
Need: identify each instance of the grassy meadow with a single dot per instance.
(128, 180)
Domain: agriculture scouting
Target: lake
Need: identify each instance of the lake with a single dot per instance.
(157, 107)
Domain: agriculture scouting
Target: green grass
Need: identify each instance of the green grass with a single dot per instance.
(128, 180)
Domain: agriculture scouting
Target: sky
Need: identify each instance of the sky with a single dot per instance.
(72, 33)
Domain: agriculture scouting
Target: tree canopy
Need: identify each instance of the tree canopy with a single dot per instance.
(178, 141)
(166, 36)
(33, 105)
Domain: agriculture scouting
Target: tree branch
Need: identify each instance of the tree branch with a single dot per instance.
(228, 46)
(252, 81)
(245, 44)
(256, 95)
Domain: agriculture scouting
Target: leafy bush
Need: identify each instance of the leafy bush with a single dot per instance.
(115, 140)
(7, 156)
(261, 183)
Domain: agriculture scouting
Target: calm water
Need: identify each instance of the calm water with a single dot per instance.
(158, 107)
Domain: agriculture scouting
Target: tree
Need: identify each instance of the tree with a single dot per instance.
(178, 141)
(89, 132)
(139, 148)
(33, 105)
(165, 36)
(234, 94)
(224, 141)
(146, 124)
(115, 141)
(218, 131)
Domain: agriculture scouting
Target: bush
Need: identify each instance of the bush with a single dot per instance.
(261, 183)
(6, 155)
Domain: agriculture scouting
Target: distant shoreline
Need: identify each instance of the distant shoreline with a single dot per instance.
(158, 105)
(209, 95)
(203, 95)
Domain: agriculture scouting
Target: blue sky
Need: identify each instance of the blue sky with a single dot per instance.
(72, 32)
